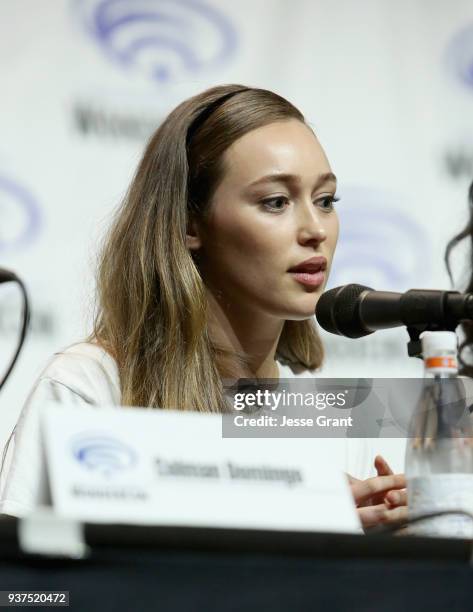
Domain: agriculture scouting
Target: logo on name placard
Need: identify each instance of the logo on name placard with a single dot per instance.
(103, 454)
(168, 39)
(460, 55)
(19, 214)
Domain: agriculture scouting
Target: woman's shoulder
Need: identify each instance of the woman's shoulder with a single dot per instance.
(84, 354)
(86, 370)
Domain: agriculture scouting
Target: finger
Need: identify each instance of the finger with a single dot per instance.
(396, 498)
(365, 489)
(396, 515)
(370, 516)
(383, 469)
(382, 466)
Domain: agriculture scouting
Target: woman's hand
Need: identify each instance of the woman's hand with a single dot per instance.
(381, 499)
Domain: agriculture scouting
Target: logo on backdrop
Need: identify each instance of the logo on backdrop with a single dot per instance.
(380, 245)
(103, 454)
(168, 39)
(460, 55)
(19, 214)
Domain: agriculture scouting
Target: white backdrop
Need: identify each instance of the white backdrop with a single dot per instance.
(388, 87)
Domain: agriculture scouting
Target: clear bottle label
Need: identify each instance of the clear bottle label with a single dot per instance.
(438, 493)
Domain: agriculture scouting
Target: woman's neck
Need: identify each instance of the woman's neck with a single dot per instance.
(252, 335)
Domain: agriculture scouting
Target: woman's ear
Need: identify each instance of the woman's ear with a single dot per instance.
(193, 238)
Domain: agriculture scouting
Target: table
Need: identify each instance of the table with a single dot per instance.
(173, 569)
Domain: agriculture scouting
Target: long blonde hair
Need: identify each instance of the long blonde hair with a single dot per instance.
(152, 307)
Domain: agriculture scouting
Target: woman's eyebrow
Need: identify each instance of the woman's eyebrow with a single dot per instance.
(293, 178)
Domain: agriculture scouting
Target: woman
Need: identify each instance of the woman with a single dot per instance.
(213, 267)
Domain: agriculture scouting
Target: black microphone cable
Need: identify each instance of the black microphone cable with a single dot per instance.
(7, 276)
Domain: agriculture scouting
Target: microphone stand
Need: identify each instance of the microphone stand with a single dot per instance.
(5, 277)
(447, 321)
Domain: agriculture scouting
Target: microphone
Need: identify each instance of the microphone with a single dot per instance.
(355, 311)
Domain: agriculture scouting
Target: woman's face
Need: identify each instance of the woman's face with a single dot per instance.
(272, 211)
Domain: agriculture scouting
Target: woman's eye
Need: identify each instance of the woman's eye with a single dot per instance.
(326, 204)
(276, 204)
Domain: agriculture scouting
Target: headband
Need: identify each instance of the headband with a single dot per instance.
(207, 111)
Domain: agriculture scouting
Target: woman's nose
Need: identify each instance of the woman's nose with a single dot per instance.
(311, 228)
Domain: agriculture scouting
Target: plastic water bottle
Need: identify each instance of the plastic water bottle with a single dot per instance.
(439, 452)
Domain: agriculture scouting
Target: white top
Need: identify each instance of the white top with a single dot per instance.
(86, 374)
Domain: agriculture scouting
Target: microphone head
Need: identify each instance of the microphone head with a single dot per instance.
(337, 311)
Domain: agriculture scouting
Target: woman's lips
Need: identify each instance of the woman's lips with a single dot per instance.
(310, 279)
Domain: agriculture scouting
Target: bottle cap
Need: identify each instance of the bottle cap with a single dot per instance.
(439, 350)
(437, 342)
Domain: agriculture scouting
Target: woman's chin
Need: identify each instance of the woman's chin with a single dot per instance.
(294, 309)
(305, 309)
(301, 314)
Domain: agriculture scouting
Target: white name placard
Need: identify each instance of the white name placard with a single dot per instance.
(158, 467)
